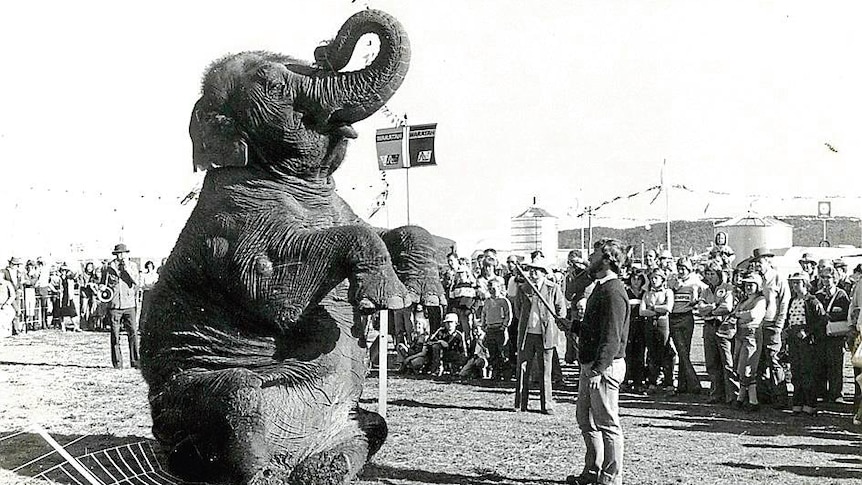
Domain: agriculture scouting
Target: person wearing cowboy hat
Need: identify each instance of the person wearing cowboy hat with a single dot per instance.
(772, 384)
(538, 331)
(749, 313)
(121, 275)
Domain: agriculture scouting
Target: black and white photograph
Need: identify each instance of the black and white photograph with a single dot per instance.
(322, 242)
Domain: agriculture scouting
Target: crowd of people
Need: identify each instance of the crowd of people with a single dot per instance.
(103, 295)
(762, 334)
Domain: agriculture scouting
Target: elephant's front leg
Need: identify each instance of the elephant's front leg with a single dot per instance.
(294, 270)
(412, 250)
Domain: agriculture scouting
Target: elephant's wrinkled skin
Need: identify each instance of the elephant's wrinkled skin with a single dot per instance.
(253, 345)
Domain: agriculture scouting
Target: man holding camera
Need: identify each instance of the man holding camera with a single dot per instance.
(121, 275)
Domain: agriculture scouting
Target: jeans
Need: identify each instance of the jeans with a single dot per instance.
(635, 352)
(718, 354)
(831, 352)
(749, 340)
(598, 416)
(125, 318)
(494, 339)
(772, 386)
(803, 367)
(534, 346)
(681, 331)
(660, 351)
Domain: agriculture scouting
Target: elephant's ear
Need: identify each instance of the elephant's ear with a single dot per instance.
(216, 142)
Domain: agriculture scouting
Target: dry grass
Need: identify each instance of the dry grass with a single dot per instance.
(446, 432)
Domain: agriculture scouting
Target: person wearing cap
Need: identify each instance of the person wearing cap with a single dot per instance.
(687, 288)
(14, 274)
(121, 275)
(830, 349)
(715, 304)
(448, 347)
(773, 376)
(538, 332)
(748, 314)
(844, 281)
(809, 266)
(805, 320)
(603, 337)
(655, 307)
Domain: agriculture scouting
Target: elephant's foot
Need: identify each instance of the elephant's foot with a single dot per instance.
(378, 289)
(211, 425)
(374, 427)
(413, 257)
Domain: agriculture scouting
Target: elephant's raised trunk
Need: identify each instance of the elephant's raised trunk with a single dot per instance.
(354, 96)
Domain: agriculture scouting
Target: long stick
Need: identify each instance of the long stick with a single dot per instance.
(536, 291)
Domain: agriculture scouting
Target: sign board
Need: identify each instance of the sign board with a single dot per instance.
(824, 209)
(421, 145)
(390, 148)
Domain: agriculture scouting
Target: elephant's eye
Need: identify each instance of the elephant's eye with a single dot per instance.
(275, 89)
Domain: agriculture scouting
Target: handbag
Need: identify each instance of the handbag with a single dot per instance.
(856, 359)
(839, 328)
(727, 328)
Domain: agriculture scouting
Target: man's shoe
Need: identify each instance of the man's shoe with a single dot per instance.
(581, 479)
(549, 412)
(839, 400)
(809, 410)
(751, 407)
(857, 420)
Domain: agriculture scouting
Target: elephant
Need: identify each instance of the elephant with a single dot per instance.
(253, 346)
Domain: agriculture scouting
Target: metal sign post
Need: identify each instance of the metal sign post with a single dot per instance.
(383, 362)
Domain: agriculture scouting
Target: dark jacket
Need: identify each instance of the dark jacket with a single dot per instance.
(815, 317)
(837, 311)
(605, 329)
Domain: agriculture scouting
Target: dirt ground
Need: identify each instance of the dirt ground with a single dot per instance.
(441, 432)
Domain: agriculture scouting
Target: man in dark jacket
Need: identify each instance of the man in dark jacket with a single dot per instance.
(604, 331)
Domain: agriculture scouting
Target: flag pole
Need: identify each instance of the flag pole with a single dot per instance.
(666, 188)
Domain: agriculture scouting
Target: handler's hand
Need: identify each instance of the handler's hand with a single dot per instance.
(595, 381)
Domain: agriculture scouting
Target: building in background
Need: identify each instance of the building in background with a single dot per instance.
(533, 229)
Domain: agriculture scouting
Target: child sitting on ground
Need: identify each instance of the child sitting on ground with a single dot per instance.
(415, 356)
(477, 363)
(448, 347)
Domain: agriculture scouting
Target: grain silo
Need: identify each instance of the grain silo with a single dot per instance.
(534, 229)
(752, 231)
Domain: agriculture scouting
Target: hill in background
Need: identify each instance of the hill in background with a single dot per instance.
(696, 236)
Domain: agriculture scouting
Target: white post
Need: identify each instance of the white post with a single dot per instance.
(383, 362)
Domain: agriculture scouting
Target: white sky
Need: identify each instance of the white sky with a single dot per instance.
(572, 102)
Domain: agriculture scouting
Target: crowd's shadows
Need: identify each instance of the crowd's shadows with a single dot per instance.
(377, 472)
(411, 403)
(49, 364)
(29, 455)
(821, 472)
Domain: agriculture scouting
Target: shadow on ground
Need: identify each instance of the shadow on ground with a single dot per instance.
(483, 477)
(805, 471)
